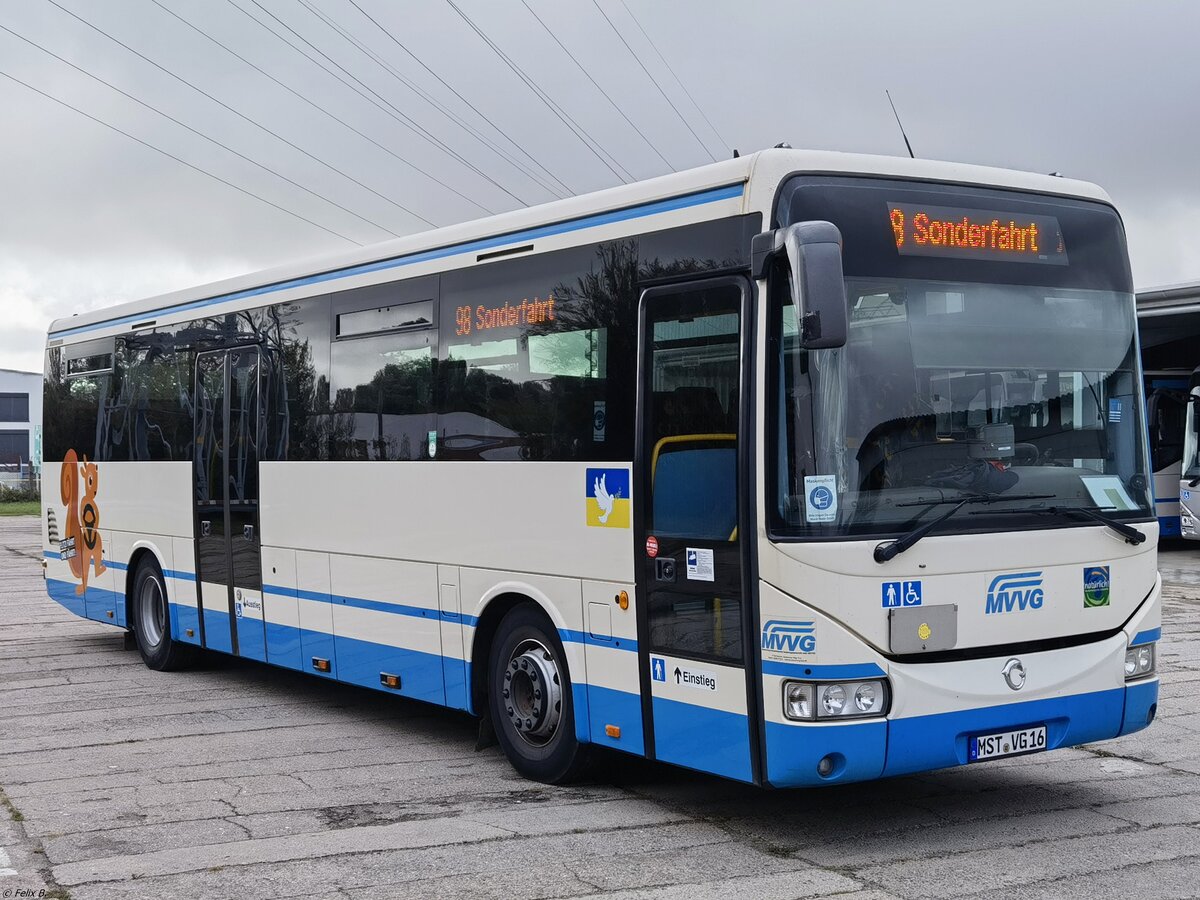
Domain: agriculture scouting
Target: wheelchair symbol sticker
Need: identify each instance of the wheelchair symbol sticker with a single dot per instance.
(901, 593)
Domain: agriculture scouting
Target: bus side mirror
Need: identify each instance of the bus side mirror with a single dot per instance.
(814, 256)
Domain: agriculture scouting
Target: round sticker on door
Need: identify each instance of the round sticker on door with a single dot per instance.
(652, 546)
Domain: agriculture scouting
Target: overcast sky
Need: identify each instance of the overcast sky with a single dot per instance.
(1095, 89)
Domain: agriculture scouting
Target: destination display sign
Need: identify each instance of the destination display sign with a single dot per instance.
(490, 317)
(976, 234)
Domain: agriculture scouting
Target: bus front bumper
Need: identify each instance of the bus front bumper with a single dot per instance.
(906, 742)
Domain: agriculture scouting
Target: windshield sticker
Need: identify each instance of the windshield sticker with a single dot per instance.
(1108, 492)
(1096, 585)
(1114, 410)
(699, 564)
(787, 640)
(1015, 592)
(901, 593)
(608, 498)
(820, 498)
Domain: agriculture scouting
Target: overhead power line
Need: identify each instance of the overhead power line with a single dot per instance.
(235, 112)
(725, 145)
(415, 88)
(610, 100)
(177, 159)
(587, 140)
(516, 144)
(314, 105)
(189, 128)
(379, 101)
(653, 80)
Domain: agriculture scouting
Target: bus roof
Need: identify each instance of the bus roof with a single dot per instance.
(762, 171)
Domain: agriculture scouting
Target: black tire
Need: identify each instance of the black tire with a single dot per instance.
(151, 621)
(536, 730)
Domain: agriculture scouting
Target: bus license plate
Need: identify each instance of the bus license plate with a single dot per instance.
(1007, 743)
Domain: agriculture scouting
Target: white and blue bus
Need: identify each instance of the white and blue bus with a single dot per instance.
(1169, 331)
(800, 468)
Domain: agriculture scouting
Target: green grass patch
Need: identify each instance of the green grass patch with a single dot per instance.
(13, 812)
(21, 508)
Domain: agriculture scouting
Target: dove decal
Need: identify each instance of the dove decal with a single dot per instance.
(608, 498)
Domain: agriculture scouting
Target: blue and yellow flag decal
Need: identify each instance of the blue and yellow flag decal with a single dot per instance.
(608, 503)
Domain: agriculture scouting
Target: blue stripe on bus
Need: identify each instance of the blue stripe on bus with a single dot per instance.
(702, 738)
(1141, 705)
(95, 603)
(1148, 636)
(123, 567)
(1166, 499)
(714, 195)
(582, 637)
(793, 752)
(399, 609)
(823, 673)
(608, 706)
(921, 743)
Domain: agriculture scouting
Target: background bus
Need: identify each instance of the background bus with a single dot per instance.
(799, 468)
(1169, 326)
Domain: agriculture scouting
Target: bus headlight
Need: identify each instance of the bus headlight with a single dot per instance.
(797, 700)
(1139, 661)
(805, 701)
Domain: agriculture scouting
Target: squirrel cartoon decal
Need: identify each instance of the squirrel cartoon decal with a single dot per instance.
(81, 547)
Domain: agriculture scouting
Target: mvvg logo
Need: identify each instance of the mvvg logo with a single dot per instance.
(789, 637)
(1016, 591)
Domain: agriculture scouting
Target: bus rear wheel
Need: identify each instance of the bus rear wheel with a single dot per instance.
(151, 620)
(529, 697)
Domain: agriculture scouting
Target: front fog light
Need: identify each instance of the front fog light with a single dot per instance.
(833, 699)
(1139, 661)
(797, 700)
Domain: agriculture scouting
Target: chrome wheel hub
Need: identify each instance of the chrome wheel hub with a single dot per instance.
(152, 612)
(532, 693)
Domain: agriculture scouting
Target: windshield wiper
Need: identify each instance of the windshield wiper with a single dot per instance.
(1131, 534)
(889, 550)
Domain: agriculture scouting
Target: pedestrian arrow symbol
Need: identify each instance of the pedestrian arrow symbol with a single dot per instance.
(901, 593)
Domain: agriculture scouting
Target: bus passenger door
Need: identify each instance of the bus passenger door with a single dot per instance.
(228, 431)
(689, 468)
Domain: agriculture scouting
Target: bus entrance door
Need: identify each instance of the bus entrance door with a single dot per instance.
(689, 468)
(228, 432)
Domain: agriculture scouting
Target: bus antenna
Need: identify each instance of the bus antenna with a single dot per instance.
(901, 124)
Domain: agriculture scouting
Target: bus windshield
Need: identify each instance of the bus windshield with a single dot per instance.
(949, 388)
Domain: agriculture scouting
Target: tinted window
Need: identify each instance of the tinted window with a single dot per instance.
(151, 414)
(382, 371)
(297, 394)
(383, 397)
(14, 407)
(14, 447)
(75, 411)
(536, 357)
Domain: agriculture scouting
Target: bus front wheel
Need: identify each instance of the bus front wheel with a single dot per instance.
(529, 697)
(151, 620)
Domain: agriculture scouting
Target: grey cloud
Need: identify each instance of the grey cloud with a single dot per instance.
(1098, 90)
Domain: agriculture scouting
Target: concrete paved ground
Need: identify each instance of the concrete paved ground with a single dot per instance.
(238, 780)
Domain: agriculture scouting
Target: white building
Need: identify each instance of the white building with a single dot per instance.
(20, 423)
